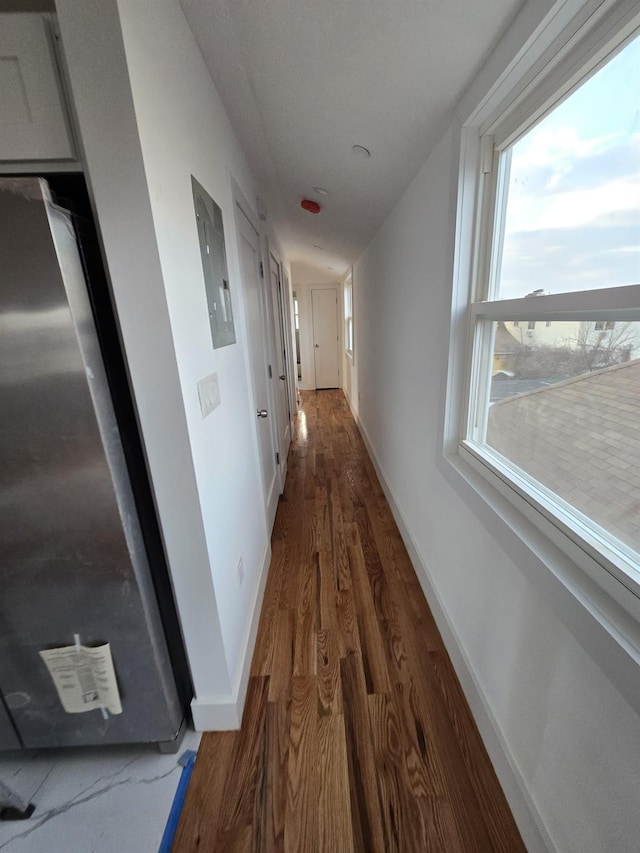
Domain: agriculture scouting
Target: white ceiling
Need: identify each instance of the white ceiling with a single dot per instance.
(304, 80)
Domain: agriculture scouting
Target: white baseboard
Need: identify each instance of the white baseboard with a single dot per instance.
(522, 804)
(215, 715)
(224, 713)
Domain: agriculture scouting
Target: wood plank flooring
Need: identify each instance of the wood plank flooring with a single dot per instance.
(356, 735)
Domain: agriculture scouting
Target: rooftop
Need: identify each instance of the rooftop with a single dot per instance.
(581, 439)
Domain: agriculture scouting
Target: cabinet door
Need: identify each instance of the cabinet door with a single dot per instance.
(33, 122)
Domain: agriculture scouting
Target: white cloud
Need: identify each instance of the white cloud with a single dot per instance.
(557, 147)
(574, 208)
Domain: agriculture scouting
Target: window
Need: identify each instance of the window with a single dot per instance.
(296, 312)
(296, 323)
(553, 409)
(348, 315)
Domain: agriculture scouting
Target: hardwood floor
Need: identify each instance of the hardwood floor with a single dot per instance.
(356, 735)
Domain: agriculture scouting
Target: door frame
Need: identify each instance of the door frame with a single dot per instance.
(339, 322)
(277, 306)
(242, 205)
(287, 292)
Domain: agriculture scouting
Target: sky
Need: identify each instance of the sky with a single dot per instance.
(573, 209)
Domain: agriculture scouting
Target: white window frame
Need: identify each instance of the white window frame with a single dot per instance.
(578, 38)
(348, 314)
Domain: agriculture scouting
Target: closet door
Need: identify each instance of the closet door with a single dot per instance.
(324, 307)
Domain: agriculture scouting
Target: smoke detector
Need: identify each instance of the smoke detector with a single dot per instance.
(310, 206)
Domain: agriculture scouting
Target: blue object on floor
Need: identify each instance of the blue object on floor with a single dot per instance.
(187, 760)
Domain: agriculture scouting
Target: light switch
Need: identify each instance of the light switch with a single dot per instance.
(209, 394)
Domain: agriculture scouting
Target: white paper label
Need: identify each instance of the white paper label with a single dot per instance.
(84, 678)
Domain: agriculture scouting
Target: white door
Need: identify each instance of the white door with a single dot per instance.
(281, 368)
(324, 310)
(249, 250)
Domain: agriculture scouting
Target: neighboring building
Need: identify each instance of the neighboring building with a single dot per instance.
(506, 346)
(531, 354)
(621, 339)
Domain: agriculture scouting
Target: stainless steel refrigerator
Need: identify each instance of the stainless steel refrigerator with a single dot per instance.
(80, 551)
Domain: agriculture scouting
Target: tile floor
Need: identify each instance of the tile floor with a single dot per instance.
(111, 799)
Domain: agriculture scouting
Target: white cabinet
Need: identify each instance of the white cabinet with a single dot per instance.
(33, 120)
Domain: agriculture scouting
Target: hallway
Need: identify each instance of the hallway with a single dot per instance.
(356, 734)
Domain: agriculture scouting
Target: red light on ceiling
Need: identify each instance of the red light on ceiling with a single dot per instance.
(310, 206)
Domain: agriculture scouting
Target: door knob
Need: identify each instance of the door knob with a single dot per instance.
(283, 377)
(262, 413)
(317, 346)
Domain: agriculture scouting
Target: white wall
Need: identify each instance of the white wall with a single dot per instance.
(570, 735)
(205, 472)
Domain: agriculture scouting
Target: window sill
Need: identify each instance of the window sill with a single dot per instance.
(580, 539)
(601, 615)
